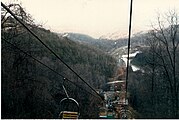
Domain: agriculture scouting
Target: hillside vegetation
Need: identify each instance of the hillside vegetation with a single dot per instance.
(31, 90)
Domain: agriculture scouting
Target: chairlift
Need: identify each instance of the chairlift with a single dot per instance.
(124, 114)
(69, 107)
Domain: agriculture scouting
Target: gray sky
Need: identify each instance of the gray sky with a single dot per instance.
(96, 17)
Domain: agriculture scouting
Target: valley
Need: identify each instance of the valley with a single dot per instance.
(42, 68)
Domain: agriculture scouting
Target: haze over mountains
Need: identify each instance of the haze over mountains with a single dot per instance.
(114, 36)
(109, 43)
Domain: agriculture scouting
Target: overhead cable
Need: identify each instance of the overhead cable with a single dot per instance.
(48, 67)
(4, 6)
(128, 49)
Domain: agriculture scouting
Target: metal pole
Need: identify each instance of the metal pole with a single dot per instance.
(65, 88)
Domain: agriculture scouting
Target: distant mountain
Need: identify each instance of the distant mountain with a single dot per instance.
(114, 36)
(78, 37)
(110, 43)
(102, 44)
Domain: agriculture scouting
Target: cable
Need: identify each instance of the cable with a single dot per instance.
(47, 46)
(47, 66)
(127, 72)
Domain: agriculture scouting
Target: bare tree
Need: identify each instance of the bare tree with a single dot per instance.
(17, 68)
(164, 41)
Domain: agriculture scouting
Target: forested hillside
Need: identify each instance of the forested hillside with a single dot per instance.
(155, 89)
(32, 76)
(30, 89)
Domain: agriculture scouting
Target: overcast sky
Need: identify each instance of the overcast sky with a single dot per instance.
(96, 17)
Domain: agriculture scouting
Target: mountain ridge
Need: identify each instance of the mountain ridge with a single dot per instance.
(107, 45)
